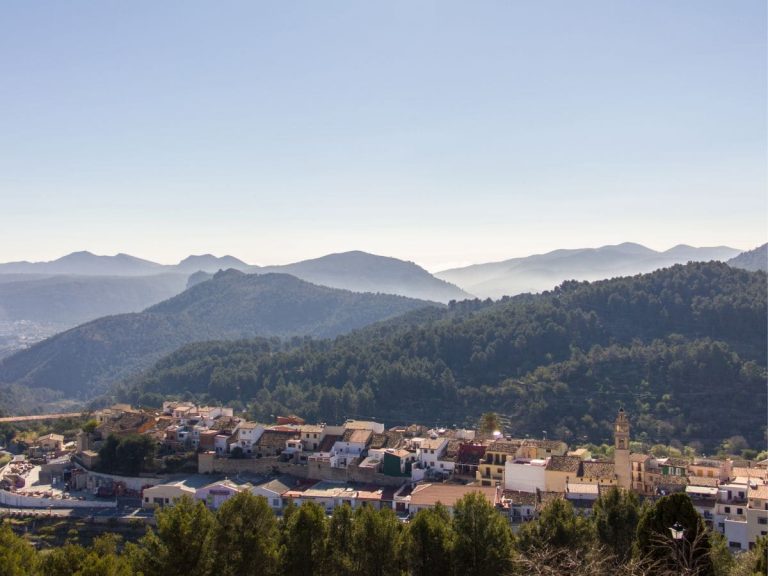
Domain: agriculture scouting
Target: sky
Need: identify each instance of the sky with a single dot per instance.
(440, 132)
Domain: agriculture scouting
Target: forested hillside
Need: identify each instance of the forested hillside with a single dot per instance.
(84, 360)
(682, 349)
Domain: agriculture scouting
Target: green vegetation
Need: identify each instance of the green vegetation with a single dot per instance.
(680, 349)
(244, 537)
(81, 362)
(127, 455)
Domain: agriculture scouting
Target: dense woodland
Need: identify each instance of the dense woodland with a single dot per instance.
(683, 350)
(244, 538)
(84, 361)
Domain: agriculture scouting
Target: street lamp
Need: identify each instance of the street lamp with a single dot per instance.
(677, 531)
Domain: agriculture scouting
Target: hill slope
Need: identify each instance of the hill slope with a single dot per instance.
(72, 300)
(545, 271)
(756, 259)
(231, 305)
(682, 349)
(363, 272)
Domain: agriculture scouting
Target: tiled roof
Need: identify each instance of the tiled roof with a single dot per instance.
(358, 436)
(328, 442)
(433, 443)
(639, 457)
(275, 438)
(703, 481)
(676, 462)
(505, 446)
(598, 470)
(448, 494)
(517, 498)
(564, 464)
(759, 491)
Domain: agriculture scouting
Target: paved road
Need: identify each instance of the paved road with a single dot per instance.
(40, 417)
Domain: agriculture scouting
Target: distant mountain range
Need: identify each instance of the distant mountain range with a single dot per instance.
(356, 271)
(756, 259)
(88, 264)
(231, 305)
(545, 271)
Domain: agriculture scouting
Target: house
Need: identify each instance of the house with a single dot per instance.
(757, 512)
(51, 442)
(430, 452)
(525, 475)
(468, 457)
(428, 495)
(641, 482)
(541, 449)
(490, 470)
(706, 468)
(273, 491)
(272, 442)
(598, 472)
(703, 499)
(731, 514)
(246, 436)
(350, 446)
(165, 494)
(559, 471)
(374, 427)
(216, 493)
(582, 496)
(397, 462)
(519, 505)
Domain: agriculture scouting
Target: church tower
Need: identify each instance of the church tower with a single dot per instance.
(621, 462)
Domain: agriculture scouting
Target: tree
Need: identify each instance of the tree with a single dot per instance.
(339, 550)
(616, 514)
(483, 538)
(245, 537)
(489, 423)
(689, 555)
(558, 527)
(128, 455)
(303, 553)
(181, 545)
(17, 557)
(430, 542)
(101, 559)
(376, 542)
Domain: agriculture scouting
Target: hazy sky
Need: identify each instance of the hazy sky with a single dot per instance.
(436, 131)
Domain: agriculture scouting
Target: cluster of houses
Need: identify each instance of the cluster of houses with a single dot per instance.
(412, 467)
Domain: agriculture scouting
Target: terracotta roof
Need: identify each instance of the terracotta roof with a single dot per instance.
(547, 497)
(703, 481)
(546, 444)
(433, 443)
(750, 472)
(275, 438)
(639, 457)
(448, 494)
(518, 498)
(759, 491)
(672, 481)
(505, 446)
(359, 436)
(564, 464)
(598, 470)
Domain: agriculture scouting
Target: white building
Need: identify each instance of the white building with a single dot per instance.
(525, 475)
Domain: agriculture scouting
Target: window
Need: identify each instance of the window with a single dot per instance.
(762, 520)
(727, 509)
(739, 511)
(276, 502)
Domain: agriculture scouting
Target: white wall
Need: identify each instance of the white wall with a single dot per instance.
(524, 477)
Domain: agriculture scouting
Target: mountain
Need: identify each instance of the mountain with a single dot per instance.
(756, 259)
(72, 300)
(211, 263)
(682, 349)
(86, 263)
(545, 271)
(362, 272)
(229, 306)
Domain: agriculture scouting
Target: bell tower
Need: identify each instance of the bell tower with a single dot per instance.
(621, 461)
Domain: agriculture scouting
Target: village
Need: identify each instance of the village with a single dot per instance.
(362, 463)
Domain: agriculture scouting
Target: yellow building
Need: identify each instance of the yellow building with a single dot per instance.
(490, 470)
